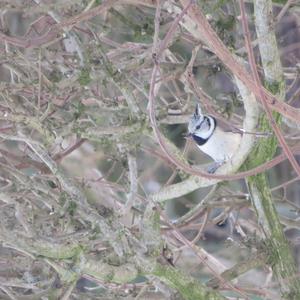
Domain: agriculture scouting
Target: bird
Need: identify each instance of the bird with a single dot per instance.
(211, 139)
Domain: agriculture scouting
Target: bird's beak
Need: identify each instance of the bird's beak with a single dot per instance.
(188, 135)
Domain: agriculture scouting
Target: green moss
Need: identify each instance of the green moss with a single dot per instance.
(225, 29)
(143, 33)
(72, 208)
(189, 288)
(271, 255)
(56, 251)
(138, 32)
(84, 77)
(156, 220)
(53, 294)
(227, 23)
(290, 295)
(280, 1)
(275, 87)
(276, 246)
(52, 184)
(109, 276)
(220, 3)
(55, 76)
(266, 147)
(79, 110)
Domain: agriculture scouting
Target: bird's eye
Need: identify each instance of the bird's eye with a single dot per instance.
(198, 126)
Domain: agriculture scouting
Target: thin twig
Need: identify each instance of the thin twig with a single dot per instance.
(262, 96)
(284, 9)
(224, 54)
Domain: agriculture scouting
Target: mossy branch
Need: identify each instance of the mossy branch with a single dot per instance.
(280, 254)
(189, 288)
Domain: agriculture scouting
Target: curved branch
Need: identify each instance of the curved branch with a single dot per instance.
(201, 29)
(195, 182)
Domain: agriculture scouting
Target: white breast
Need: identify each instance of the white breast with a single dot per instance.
(221, 146)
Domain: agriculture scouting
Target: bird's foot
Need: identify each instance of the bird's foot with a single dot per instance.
(211, 169)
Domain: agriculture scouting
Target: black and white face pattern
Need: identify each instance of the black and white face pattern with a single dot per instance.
(201, 127)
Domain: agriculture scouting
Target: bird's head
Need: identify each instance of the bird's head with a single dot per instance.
(201, 125)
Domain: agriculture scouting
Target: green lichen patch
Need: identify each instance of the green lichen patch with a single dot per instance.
(84, 77)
